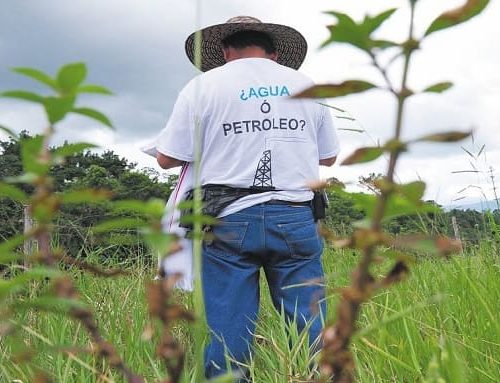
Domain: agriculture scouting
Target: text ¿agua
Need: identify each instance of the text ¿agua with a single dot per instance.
(264, 91)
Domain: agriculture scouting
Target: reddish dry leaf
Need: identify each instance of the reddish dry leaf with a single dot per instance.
(397, 274)
(458, 15)
(42, 378)
(173, 247)
(444, 137)
(447, 246)
(362, 155)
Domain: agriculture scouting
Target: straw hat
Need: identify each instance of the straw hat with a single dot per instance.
(291, 46)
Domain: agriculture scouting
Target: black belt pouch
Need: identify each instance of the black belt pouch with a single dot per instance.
(319, 205)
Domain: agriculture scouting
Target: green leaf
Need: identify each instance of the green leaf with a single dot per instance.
(439, 87)
(124, 239)
(23, 95)
(71, 149)
(38, 273)
(95, 114)
(30, 155)
(85, 196)
(414, 191)
(20, 281)
(131, 205)
(154, 207)
(11, 243)
(9, 132)
(44, 213)
(26, 178)
(395, 255)
(12, 192)
(157, 241)
(346, 31)
(370, 24)
(37, 75)
(6, 258)
(117, 224)
(226, 378)
(361, 155)
(383, 44)
(185, 205)
(91, 88)
(457, 16)
(399, 205)
(444, 137)
(434, 245)
(58, 107)
(200, 218)
(335, 90)
(359, 35)
(6, 288)
(70, 76)
(52, 304)
(361, 201)
(395, 146)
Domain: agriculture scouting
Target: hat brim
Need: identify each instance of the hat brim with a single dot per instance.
(291, 46)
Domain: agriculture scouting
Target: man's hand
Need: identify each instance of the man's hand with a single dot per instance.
(167, 162)
(328, 161)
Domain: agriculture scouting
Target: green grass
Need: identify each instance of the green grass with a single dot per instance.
(441, 325)
(445, 313)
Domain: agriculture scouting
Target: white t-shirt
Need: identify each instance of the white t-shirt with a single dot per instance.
(251, 132)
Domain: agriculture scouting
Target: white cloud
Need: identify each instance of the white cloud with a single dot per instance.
(136, 48)
(463, 55)
(22, 116)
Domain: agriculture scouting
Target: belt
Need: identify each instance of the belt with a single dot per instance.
(281, 202)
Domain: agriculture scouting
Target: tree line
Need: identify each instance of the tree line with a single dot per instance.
(105, 171)
(108, 171)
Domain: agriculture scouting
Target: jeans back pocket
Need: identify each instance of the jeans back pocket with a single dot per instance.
(302, 239)
(229, 236)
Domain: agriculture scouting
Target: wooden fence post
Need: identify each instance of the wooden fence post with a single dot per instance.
(29, 243)
(456, 232)
(454, 223)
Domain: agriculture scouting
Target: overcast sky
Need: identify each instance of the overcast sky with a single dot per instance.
(136, 48)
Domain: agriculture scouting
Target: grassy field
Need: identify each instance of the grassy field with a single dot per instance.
(441, 325)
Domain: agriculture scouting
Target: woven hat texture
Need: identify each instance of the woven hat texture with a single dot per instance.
(291, 46)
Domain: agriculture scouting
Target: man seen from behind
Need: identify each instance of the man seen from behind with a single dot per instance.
(263, 147)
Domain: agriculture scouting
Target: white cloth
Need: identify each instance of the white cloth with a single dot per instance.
(252, 133)
(180, 261)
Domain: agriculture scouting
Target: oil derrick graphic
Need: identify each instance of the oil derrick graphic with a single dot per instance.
(263, 178)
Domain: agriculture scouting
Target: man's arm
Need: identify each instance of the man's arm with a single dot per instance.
(328, 161)
(167, 162)
(328, 142)
(174, 144)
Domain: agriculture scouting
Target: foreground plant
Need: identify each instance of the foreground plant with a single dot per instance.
(44, 204)
(393, 199)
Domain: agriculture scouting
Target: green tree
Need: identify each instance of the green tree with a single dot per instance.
(341, 213)
(105, 170)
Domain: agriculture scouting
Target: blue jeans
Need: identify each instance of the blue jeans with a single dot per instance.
(284, 241)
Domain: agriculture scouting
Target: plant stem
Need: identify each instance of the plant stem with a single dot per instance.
(383, 72)
(401, 97)
(340, 363)
(199, 326)
(64, 286)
